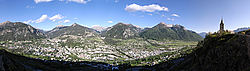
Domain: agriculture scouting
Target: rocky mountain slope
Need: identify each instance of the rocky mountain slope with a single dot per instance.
(121, 31)
(18, 31)
(164, 31)
(74, 29)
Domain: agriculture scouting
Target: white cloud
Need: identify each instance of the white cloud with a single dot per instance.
(116, 1)
(30, 6)
(175, 15)
(146, 8)
(56, 17)
(170, 19)
(163, 16)
(150, 14)
(110, 21)
(38, 1)
(79, 1)
(41, 19)
(27, 22)
(66, 21)
(75, 18)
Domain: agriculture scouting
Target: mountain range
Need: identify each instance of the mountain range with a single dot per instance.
(203, 34)
(217, 52)
(161, 31)
(241, 29)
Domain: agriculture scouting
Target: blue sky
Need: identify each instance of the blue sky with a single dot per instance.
(196, 15)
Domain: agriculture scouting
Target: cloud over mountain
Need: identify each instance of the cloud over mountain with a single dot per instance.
(110, 21)
(45, 16)
(79, 1)
(38, 1)
(56, 17)
(175, 15)
(41, 19)
(146, 8)
(66, 21)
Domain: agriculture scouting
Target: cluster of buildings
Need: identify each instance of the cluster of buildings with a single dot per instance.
(86, 50)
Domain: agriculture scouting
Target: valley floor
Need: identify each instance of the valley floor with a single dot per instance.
(137, 52)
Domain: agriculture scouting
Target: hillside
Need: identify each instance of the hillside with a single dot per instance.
(164, 31)
(74, 29)
(18, 31)
(13, 62)
(229, 52)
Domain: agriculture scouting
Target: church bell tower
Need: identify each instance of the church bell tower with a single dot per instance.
(221, 26)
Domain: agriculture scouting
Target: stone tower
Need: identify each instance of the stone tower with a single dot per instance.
(221, 26)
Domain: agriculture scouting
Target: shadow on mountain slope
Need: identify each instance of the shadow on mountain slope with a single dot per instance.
(13, 62)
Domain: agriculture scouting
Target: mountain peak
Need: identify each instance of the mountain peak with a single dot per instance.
(179, 26)
(173, 32)
(122, 24)
(122, 31)
(60, 26)
(165, 25)
(5, 22)
(162, 23)
(75, 24)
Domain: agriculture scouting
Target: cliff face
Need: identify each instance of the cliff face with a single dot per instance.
(229, 52)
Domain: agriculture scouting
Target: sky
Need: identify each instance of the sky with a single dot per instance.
(196, 15)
